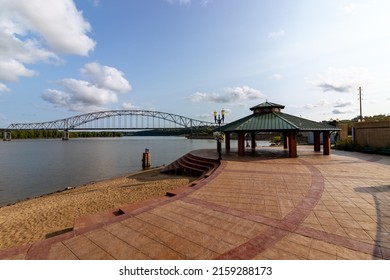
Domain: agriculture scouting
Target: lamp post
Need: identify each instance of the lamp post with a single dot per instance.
(219, 118)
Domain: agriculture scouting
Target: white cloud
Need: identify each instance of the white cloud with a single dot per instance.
(342, 112)
(277, 76)
(80, 96)
(235, 94)
(67, 31)
(338, 107)
(106, 77)
(198, 97)
(205, 116)
(180, 2)
(276, 34)
(89, 93)
(210, 115)
(95, 3)
(319, 104)
(95, 94)
(27, 51)
(353, 8)
(11, 70)
(342, 79)
(243, 93)
(37, 31)
(57, 97)
(204, 3)
(331, 87)
(341, 103)
(4, 88)
(128, 106)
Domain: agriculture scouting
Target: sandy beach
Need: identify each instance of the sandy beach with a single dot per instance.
(36, 219)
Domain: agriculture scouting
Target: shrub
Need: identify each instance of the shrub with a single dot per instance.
(347, 145)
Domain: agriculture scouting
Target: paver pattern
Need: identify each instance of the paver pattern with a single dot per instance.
(261, 206)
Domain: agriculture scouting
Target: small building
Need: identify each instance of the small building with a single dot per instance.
(268, 117)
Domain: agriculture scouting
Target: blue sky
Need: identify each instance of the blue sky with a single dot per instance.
(191, 57)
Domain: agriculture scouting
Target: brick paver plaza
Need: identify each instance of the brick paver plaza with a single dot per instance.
(263, 206)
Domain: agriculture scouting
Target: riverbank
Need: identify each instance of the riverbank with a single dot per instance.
(36, 219)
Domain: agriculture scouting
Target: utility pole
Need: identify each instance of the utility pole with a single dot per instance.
(360, 100)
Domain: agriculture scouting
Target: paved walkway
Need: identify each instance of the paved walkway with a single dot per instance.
(262, 206)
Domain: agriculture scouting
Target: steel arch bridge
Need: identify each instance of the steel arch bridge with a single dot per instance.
(115, 120)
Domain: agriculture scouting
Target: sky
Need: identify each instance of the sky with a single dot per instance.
(191, 57)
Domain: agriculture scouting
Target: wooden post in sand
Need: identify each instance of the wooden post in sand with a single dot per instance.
(146, 159)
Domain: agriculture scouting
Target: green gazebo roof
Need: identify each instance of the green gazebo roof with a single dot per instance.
(274, 120)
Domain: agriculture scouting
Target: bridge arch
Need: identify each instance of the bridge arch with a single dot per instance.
(115, 120)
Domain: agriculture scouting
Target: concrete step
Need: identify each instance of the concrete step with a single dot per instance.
(192, 165)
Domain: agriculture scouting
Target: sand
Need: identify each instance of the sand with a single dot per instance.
(35, 219)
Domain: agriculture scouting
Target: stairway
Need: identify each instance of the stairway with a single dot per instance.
(190, 164)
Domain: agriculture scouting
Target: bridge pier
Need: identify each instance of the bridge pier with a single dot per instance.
(7, 136)
(65, 135)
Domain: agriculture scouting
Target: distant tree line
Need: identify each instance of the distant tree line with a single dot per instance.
(55, 134)
(170, 132)
(86, 134)
(376, 118)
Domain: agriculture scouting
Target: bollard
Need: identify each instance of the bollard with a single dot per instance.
(146, 159)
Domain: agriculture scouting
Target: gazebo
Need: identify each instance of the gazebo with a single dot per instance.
(267, 117)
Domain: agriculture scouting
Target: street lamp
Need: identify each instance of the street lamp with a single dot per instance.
(219, 118)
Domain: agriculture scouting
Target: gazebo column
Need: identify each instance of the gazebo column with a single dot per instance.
(292, 144)
(227, 140)
(285, 140)
(326, 142)
(317, 141)
(241, 143)
(253, 140)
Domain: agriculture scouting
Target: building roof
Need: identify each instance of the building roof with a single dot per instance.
(274, 121)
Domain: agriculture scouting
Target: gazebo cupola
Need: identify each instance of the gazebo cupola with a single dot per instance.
(267, 107)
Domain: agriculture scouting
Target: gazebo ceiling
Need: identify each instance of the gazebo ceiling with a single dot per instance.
(267, 117)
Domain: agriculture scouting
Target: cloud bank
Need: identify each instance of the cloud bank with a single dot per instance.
(234, 94)
(203, 3)
(276, 34)
(102, 88)
(106, 77)
(180, 2)
(4, 88)
(26, 37)
(342, 80)
(342, 112)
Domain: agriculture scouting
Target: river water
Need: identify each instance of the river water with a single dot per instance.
(30, 168)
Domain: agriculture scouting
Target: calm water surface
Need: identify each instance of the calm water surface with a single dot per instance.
(30, 168)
